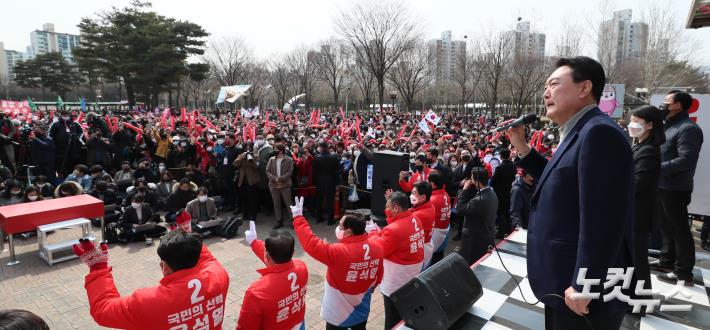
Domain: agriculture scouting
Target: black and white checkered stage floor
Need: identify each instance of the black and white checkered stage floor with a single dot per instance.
(502, 307)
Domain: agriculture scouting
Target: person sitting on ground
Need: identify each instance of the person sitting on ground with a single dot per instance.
(165, 186)
(136, 215)
(189, 270)
(46, 189)
(125, 173)
(80, 176)
(202, 208)
(32, 195)
(68, 188)
(103, 192)
(183, 193)
(145, 189)
(13, 193)
(98, 174)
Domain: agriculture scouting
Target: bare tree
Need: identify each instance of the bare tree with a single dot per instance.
(667, 49)
(301, 62)
(258, 77)
(281, 79)
(525, 76)
(379, 32)
(229, 60)
(196, 91)
(569, 42)
(495, 52)
(332, 65)
(410, 75)
(467, 75)
(365, 82)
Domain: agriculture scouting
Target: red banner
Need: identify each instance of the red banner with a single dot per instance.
(14, 108)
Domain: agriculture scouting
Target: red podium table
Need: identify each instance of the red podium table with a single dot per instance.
(25, 217)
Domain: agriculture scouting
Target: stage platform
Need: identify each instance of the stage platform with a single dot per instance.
(502, 307)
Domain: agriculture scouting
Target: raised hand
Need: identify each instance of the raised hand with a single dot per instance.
(88, 253)
(371, 226)
(297, 208)
(250, 235)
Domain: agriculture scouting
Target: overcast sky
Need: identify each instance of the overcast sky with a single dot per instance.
(273, 26)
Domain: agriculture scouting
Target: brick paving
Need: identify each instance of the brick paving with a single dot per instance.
(56, 293)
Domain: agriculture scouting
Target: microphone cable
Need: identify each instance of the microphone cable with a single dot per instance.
(517, 284)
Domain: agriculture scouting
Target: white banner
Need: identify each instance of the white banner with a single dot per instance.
(231, 93)
(700, 203)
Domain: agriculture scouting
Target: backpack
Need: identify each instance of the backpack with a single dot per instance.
(112, 233)
(228, 229)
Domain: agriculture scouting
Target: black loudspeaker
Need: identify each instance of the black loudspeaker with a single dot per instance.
(387, 165)
(438, 296)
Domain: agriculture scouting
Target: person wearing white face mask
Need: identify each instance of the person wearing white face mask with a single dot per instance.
(645, 128)
(355, 267)
(32, 195)
(202, 208)
(135, 217)
(423, 210)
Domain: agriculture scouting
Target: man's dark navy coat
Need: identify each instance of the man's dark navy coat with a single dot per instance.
(581, 210)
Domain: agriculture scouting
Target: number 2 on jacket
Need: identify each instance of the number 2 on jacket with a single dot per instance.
(293, 277)
(367, 251)
(195, 298)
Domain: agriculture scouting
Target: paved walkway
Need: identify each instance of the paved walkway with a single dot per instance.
(56, 293)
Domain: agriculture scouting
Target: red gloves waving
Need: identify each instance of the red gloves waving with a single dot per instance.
(88, 253)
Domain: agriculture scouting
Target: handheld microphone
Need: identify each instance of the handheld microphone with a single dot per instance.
(523, 120)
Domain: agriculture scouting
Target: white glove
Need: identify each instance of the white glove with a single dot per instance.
(250, 235)
(371, 226)
(297, 208)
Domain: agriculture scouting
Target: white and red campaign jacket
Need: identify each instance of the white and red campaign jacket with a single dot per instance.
(442, 214)
(276, 301)
(402, 242)
(426, 215)
(354, 270)
(186, 299)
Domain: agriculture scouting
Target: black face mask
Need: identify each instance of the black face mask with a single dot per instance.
(466, 158)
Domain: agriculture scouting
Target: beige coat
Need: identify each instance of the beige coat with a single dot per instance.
(284, 180)
(193, 208)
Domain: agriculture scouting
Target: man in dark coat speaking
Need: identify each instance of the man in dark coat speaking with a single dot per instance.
(581, 208)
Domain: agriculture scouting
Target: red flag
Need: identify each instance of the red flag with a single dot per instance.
(399, 136)
(533, 139)
(172, 123)
(357, 129)
(135, 129)
(183, 115)
(281, 115)
(342, 113)
(414, 130)
(208, 123)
